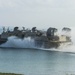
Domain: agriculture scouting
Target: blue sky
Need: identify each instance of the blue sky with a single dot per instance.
(39, 13)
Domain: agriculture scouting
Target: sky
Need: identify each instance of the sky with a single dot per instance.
(39, 13)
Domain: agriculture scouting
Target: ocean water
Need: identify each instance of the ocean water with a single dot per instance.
(36, 62)
(23, 57)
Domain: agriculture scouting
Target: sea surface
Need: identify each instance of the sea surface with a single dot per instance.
(37, 62)
(17, 58)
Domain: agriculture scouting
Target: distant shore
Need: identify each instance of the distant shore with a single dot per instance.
(9, 74)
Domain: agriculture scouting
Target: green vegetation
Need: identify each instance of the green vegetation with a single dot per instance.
(9, 74)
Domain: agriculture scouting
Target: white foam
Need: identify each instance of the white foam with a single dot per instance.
(69, 48)
(15, 42)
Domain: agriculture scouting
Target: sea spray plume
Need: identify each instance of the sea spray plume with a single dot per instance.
(15, 42)
(66, 31)
(73, 35)
(69, 48)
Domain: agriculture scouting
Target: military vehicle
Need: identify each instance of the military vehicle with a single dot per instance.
(45, 39)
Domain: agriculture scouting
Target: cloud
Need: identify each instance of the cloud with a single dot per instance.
(37, 3)
(7, 3)
(65, 3)
(32, 12)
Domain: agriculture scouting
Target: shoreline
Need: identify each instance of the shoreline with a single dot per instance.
(9, 73)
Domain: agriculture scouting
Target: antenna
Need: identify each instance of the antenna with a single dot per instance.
(3, 29)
